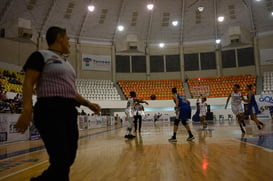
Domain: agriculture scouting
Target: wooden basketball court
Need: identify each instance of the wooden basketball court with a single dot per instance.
(104, 154)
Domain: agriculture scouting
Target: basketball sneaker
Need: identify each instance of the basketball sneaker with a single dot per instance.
(190, 138)
(130, 136)
(172, 139)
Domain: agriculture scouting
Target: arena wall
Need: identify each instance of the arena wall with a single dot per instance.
(16, 52)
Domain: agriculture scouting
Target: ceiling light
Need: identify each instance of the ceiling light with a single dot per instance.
(221, 18)
(150, 6)
(120, 28)
(161, 45)
(272, 13)
(175, 23)
(91, 8)
(258, 0)
(201, 8)
(218, 41)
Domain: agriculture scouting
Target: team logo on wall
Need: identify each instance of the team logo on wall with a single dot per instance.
(96, 62)
(267, 99)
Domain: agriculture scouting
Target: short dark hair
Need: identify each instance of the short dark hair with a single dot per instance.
(237, 86)
(174, 90)
(205, 99)
(133, 94)
(52, 33)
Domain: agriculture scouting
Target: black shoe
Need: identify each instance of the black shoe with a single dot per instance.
(190, 138)
(126, 136)
(130, 136)
(172, 139)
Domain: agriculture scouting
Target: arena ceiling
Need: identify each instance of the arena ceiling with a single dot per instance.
(151, 27)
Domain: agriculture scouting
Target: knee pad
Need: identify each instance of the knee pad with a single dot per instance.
(184, 122)
(176, 122)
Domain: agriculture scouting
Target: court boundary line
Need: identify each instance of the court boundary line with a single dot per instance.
(22, 170)
(42, 147)
(255, 145)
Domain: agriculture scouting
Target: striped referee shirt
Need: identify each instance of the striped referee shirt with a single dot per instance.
(57, 77)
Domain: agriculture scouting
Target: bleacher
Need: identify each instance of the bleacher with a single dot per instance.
(145, 88)
(221, 86)
(90, 89)
(106, 90)
(267, 83)
(97, 89)
(6, 80)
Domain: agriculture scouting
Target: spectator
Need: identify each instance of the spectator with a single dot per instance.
(18, 100)
(83, 113)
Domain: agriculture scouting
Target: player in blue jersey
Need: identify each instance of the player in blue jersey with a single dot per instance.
(183, 113)
(252, 108)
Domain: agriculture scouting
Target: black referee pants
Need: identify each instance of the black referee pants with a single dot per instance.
(138, 117)
(56, 121)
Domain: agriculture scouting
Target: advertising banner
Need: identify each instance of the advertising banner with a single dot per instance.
(265, 103)
(90, 122)
(96, 62)
(33, 132)
(8, 131)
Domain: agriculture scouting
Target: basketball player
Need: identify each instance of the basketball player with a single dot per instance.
(252, 108)
(183, 113)
(237, 108)
(130, 113)
(203, 111)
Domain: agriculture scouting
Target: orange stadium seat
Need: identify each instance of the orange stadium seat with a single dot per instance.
(145, 88)
(222, 86)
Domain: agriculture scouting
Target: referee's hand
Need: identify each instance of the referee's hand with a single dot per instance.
(94, 107)
(23, 122)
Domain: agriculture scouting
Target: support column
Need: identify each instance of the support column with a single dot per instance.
(78, 58)
(148, 73)
(113, 63)
(219, 61)
(39, 43)
(182, 63)
(256, 56)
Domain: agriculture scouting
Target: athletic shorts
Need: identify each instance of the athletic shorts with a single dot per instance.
(237, 109)
(129, 113)
(202, 113)
(185, 114)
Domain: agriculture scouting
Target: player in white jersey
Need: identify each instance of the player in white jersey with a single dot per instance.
(236, 107)
(203, 111)
(129, 111)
